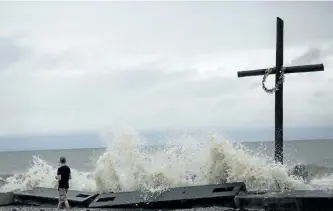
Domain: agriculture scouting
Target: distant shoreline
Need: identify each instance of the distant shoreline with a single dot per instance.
(100, 148)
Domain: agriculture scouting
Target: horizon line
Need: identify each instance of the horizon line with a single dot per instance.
(81, 148)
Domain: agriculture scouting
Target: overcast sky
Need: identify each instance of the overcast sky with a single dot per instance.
(78, 67)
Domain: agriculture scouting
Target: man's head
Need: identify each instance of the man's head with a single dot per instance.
(62, 160)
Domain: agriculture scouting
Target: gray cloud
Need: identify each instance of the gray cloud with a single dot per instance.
(323, 93)
(139, 78)
(10, 52)
(159, 66)
(311, 56)
(55, 60)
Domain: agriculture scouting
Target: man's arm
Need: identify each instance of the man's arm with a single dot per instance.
(70, 174)
(58, 177)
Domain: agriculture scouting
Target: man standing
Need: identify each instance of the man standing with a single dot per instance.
(63, 177)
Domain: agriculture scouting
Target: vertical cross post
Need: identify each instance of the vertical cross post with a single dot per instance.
(279, 94)
(277, 70)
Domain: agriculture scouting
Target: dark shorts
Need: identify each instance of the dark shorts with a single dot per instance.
(62, 194)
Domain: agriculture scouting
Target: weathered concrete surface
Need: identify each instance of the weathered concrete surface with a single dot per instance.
(50, 196)
(6, 198)
(287, 201)
(232, 195)
(181, 197)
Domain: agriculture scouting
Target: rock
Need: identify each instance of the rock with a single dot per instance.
(307, 172)
(299, 170)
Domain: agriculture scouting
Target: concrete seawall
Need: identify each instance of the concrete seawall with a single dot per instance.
(229, 196)
(6, 198)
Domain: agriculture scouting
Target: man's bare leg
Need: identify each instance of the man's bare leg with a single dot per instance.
(59, 205)
(67, 205)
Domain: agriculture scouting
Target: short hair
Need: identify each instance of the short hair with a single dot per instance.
(62, 160)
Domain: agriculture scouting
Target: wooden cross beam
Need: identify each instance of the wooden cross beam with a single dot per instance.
(279, 86)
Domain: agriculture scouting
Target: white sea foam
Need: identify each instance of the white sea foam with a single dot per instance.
(125, 167)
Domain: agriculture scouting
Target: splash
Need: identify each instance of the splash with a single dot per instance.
(126, 166)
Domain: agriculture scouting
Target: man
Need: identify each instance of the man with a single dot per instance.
(63, 177)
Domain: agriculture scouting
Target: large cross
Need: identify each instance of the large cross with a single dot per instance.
(279, 86)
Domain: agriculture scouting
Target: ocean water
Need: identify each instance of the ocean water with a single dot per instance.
(127, 164)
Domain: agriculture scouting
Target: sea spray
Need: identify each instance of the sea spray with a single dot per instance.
(182, 161)
(234, 162)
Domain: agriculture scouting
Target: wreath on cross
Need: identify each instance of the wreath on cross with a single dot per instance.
(281, 80)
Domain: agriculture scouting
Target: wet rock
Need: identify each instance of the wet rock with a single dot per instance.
(301, 171)
(307, 172)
